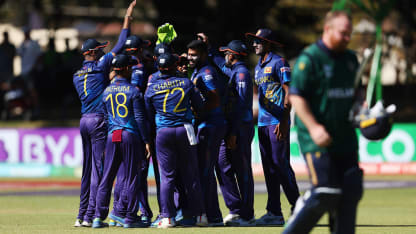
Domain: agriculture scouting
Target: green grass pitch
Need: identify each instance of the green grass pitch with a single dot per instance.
(380, 211)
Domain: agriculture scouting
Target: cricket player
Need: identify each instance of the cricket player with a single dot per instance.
(168, 101)
(234, 164)
(134, 46)
(233, 169)
(322, 93)
(272, 76)
(90, 82)
(127, 132)
(212, 128)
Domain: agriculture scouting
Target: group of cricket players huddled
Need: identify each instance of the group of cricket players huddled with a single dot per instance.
(191, 116)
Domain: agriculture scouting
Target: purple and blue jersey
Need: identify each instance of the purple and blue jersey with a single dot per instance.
(139, 76)
(207, 79)
(269, 77)
(240, 93)
(169, 100)
(124, 107)
(91, 80)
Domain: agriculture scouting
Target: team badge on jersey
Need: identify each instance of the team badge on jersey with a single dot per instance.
(328, 71)
(284, 69)
(267, 70)
(301, 66)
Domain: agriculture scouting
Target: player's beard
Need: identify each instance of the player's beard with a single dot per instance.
(193, 63)
(228, 62)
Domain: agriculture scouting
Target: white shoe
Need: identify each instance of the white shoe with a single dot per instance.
(86, 224)
(166, 223)
(270, 219)
(202, 220)
(240, 222)
(230, 217)
(78, 223)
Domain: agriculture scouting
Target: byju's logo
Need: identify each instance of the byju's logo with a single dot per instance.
(3, 152)
(9, 146)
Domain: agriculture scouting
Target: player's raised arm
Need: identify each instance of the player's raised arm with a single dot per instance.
(125, 32)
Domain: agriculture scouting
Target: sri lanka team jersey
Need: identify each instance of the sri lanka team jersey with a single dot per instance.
(269, 77)
(90, 82)
(124, 107)
(207, 79)
(170, 98)
(239, 107)
(139, 76)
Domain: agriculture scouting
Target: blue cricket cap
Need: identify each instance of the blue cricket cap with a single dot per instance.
(266, 35)
(236, 47)
(166, 61)
(122, 61)
(92, 44)
(134, 42)
(162, 48)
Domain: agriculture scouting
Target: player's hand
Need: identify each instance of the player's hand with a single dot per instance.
(129, 11)
(112, 75)
(231, 142)
(148, 151)
(320, 136)
(281, 130)
(203, 37)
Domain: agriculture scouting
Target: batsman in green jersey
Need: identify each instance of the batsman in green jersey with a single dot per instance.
(322, 93)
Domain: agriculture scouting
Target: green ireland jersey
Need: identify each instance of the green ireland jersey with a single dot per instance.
(326, 81)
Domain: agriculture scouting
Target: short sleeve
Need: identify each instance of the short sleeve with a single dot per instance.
(302, 76)
(284, 71)
(208, 79)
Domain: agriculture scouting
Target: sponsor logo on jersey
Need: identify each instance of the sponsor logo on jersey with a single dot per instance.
(208, 77)
(241, 76)
(341, 93)
(284, 69)
(268, 70)
(242, 84)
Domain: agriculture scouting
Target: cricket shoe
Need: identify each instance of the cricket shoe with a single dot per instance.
(216, 223)
(137, 224)
(116, 218)
(146, 220)
(166, 223)
(240, 222)
(98, 223)
(156, 222)
(179, 215)
(85, 223)
(269, 219)
(230, 217)
(202, 220)
(187, 222)
(112, 223)
(78, 223)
